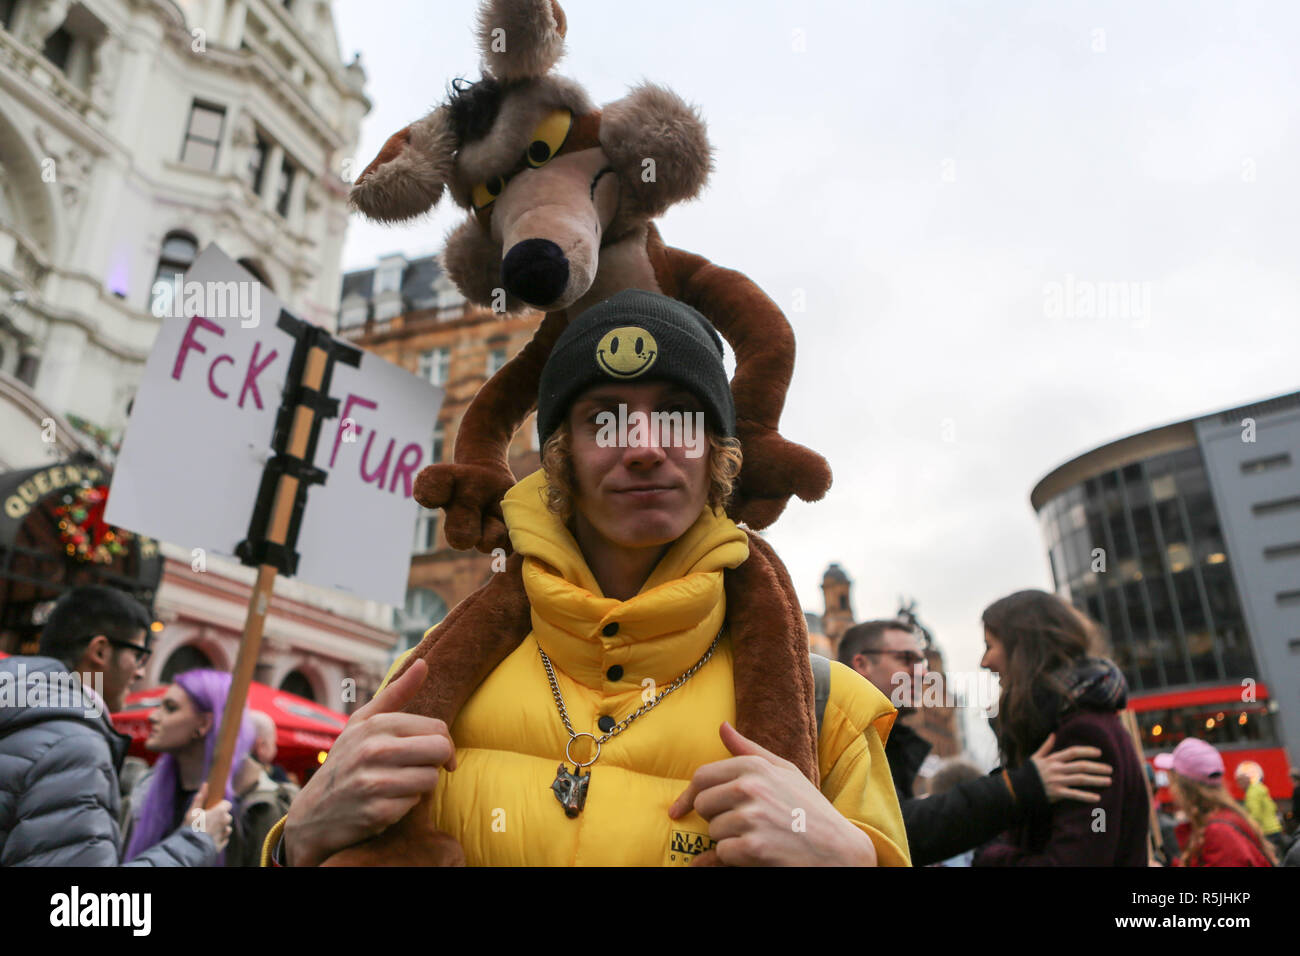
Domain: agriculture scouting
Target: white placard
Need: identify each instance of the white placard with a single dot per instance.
(200, 435)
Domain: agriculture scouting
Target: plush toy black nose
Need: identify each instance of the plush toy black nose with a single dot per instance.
(536, 271)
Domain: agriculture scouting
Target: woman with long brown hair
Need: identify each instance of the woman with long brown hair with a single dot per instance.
(1217, 830)
(1056, 685)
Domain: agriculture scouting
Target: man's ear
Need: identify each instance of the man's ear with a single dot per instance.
(97, 655)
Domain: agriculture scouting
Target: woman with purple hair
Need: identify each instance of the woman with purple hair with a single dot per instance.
(184, 728)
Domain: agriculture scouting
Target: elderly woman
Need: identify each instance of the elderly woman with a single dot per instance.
(626, 680)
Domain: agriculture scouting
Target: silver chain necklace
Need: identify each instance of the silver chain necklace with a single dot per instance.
(571, 788)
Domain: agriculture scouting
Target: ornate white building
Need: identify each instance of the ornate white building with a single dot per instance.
(132, 134)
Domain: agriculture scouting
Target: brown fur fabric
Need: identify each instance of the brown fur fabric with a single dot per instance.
(532, 32)
(652, 122)
(773, 680)
(472, 260)
(406, 179)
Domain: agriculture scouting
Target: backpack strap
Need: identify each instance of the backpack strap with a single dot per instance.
(821, 668)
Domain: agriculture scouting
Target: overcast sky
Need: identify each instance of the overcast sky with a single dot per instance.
(931, 178)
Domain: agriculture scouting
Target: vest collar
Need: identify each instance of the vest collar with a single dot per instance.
(658, 633)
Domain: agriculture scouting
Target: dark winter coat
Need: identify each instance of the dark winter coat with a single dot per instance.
(1112, 832)
(943, 825)
(59, 791)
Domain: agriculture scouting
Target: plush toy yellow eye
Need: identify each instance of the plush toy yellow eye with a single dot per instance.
(486, 193)
(549, 137)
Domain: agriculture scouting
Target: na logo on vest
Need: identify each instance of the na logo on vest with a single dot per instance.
(684, 846)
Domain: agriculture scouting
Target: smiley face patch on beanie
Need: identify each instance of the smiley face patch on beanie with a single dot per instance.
(636, 335)
(627, 352)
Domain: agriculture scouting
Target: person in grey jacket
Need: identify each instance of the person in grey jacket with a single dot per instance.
(59, 753)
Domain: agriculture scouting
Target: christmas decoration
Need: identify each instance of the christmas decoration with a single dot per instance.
(85, 535)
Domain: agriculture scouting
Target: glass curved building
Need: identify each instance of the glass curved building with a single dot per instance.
(1184, 543)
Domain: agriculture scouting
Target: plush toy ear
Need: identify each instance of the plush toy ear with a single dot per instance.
(472, 260)
(520, 39)
(406, 179)
(659, 145)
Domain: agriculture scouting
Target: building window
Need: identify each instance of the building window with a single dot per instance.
(424, 609)
(203, 136)
(1257, 465)
(257, 163)
(388, 277)
(435, 366)
(296, 682)
(426, 531)
(187, 657)
(496, 359)
(256, 272)
(1276, 506)
(285, 188)
(28, 365)
(58, 45)
(176, 257)
(439, 440)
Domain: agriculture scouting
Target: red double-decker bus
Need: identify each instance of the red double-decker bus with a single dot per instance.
(1238, 719)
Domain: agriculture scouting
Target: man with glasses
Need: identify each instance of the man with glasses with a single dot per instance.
(889, 654)
(60, 755)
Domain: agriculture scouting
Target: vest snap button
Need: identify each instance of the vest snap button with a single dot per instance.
(606, 723)
(614, 673)
(610, 629)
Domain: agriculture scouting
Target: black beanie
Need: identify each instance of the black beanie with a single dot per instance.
(636, 334)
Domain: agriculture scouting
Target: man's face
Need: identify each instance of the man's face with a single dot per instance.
(642, 495)
(896, 666)
(117, 664)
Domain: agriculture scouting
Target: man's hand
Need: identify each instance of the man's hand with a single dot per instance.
(1069, 768)
(764, 812)
(382, 763)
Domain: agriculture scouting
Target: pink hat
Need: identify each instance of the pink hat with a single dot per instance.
(1193, 759)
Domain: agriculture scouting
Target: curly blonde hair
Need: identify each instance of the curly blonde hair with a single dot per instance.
(725, 460)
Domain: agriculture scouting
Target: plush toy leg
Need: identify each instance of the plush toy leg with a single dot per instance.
(763, 341)
(773, 676)
(470, 488)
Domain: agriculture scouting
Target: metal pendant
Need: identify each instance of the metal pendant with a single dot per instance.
(571, 789)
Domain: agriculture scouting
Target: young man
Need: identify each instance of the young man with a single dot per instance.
(60, 756)
(626, 680)
(943, 825)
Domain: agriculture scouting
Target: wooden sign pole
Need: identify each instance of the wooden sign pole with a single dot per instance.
(1153, 822)
(259, 601)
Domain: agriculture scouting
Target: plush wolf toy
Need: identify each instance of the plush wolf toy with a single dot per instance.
(561, 197)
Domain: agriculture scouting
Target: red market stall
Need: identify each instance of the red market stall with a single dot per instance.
(305, 731)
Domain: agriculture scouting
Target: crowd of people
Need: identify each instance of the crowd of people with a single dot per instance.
(70, 795)
(626, 552)
(1072, 789)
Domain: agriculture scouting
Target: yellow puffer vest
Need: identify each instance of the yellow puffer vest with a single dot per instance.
(510, 739)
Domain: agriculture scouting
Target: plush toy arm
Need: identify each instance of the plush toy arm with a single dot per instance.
(471, 487)
(763, 341)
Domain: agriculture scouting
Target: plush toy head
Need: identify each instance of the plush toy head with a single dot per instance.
(548, 178)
